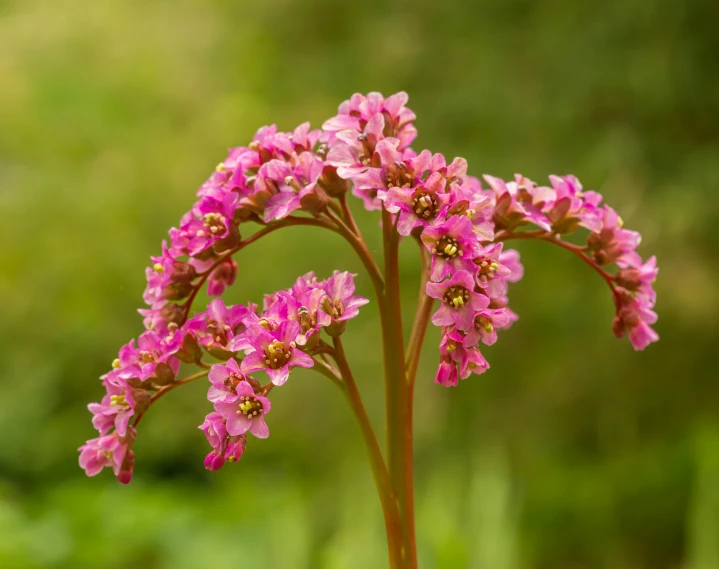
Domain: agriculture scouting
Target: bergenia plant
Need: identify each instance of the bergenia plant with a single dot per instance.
(460, 223)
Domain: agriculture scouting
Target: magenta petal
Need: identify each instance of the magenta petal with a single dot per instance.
(300, 359)
(259, 428)
(227, 407)
(279, 376)
(443, 316)
(464, 319)
(252, 362)
(218, 374)
(121, 421)
(238, 424)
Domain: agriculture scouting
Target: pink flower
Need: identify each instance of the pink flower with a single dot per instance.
(517, 203)
(486, 324)
(447, 372)
(224, 447)
(354, 114)
(297, 185)
(640, 279)
(224, 379)
(493, 273)
(418, 202)
(453, 246)
(635, 316)
(341, 303)
(275, 352)
(469, 200)
(210, 222)
(245, 412)
(167, 279)
(453, 355)
(459, 302)
(568, 207)
(152, 351)
(305, 308)
(118, 406)
(221, 277)
(216, 433)
(235, 447)
(109, 450)
(612, 243)
(509, 260)
(217, 327)
(162, 317)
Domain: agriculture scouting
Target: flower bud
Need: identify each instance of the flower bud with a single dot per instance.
(163, 374)
(334, 185)
(190, 352)
(316, 201)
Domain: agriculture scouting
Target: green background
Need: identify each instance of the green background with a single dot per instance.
(572, 452)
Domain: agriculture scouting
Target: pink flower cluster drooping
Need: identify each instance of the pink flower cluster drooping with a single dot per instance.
(274, 341)
(463, 225)
(303, 177)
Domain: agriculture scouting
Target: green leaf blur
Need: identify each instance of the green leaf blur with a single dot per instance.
(572, 452)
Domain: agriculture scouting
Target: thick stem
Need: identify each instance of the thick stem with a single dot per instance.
(379, 469)
(398, 393)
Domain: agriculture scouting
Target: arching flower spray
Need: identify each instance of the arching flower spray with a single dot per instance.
(461, 225)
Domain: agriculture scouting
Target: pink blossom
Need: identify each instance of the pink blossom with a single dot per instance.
(305, 308)
(245, 411)
(640, 279)
(217, 327)
(459, 302)
(118, 406)
(224, 380)
(509, 259)
(418, 202)
(568, 206)
(216, 433)
(392, 168)
(493, 274)
(222, 276)
(167, 279)
(210, 223)
(635, 316)
(152, 350)
(109, 450)
(355, 113)
(447, 372)
(453, 246)
(275, 352)
(297, 187)
(486, 324)
(341, 303)
(224, 447)
(469, 200)
(457, 360)
(612, 243)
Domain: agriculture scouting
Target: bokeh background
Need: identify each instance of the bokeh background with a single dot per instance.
(572, 452)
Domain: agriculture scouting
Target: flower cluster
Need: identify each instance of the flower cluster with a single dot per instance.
(282, 336)
(302, 178)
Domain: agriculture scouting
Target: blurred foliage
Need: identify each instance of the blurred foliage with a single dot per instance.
(572, 452)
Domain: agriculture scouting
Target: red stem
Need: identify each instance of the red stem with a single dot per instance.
(382, 479)
(167, 388)
(541, 235)
(398, 393)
